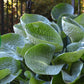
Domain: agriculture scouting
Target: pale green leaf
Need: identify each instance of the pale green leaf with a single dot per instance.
(80, 19)
(39, 57)
(10, 78)
(12, 40)
(62, 8)
(39, 32)
(74, 74)
(29, 18)
(19, 30)
(9, 63)
(72, 29)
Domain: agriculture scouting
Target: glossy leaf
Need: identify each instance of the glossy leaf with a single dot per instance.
(29, 18)
(69, 56)
(39, 57)
(59, 21)
(80, 19)
(75, 46)
(4, 73)
(12, 40)
(62, 8)
(56, 27)
(19, 30)
(75, 72)
(72, 29)
(9, 63)
(39, 32)
(10, 78)
(9, 53)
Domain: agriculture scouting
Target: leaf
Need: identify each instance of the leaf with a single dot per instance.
(75, 72)
(75, 46)
(39, 32)
(62, 8)
(9, 53)
(10, 78)
(69, 56)
(39, 57)
(35, 81)
(57, 79)
(29, 18)
(19, 30)
(9, 63)
(72, 29)
(56, 27)
(59, 21)
(12, 40)
(80, 19)
(25, 48)
(4, 73)
(28, 74)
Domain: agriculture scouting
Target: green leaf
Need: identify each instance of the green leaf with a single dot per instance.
(75, 46)
(80, 19)
(72, 29)
(12, 40)
(57, 79)
(4, 73)
(28, 74)
(9, 63)
(69, 56)
(56, 27)
(9, 53)
(19, 30)
(74, 74)
(62, 8)
(39, 32)
(25, 48)
(39, 57)
(35, 81)
(59, 21)
(10, 78)
(29, 18)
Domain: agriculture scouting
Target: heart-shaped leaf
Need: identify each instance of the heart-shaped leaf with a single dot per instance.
(62, 8)
(72, 29)
(19, 30)
(4, 73)
(29, 18)
(69, 56)
(10, 78)
(12, 40)
(39, 32)
(80, 19)
(75, 72)
(9, 63)
(39, 57)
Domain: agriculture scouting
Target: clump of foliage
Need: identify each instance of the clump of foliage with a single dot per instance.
(44, 52)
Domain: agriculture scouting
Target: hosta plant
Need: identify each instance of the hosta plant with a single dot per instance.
(40, 52)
